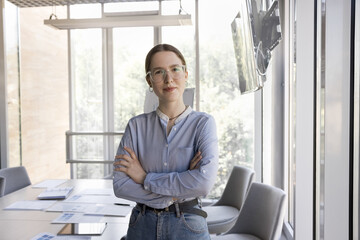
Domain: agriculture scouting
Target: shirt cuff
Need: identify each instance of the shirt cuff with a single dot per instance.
(147, 182)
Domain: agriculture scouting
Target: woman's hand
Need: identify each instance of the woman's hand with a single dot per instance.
(131, 166)
(194, 162)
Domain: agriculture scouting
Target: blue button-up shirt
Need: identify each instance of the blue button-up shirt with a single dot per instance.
(166, 158)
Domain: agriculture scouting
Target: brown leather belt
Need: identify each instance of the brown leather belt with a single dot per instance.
(184, 207)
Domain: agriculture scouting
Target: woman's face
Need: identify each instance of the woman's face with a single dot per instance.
(172, 87)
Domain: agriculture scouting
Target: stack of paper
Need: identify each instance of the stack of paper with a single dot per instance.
(55, 193)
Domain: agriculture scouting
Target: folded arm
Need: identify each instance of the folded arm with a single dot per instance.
(192, 183)
(159, 189)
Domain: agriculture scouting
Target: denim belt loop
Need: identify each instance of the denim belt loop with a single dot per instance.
(143, 209)
(177, 208)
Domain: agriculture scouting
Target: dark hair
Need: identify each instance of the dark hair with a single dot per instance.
(162, 48)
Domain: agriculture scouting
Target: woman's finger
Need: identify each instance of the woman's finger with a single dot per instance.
(197, 157)
(123, 157)
(120, 169)
(131, 152)
(120, 156)
(124, 163)
(116, 163)
(194, 162)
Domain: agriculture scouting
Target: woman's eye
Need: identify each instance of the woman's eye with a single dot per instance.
(158, 72)
(176, 69)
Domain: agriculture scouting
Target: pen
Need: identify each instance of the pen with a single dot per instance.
(122, 204)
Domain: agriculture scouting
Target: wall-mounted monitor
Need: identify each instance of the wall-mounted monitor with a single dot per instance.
(255, 34)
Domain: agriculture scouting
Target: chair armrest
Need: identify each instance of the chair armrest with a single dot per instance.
(208, 201)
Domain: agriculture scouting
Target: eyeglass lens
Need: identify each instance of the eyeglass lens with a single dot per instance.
(176, 72)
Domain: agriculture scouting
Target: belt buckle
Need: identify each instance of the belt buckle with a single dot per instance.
(157, 211)
(161, 210)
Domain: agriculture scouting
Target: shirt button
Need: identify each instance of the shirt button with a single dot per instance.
(174, 129)
(165, 164)
(203, 171)
(166, 145)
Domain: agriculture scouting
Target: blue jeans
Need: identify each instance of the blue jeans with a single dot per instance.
(148, 225)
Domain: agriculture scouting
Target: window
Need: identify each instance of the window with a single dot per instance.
(87, 109)
(37, 85)
(13, 81)
(114, 62)
(219, 90)
(292, 116)
(130, 46)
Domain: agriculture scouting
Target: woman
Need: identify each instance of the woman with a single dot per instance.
(167, 159)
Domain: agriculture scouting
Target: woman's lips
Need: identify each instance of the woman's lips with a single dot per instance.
(169, 89)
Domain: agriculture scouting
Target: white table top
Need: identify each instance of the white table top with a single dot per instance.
(25, 224)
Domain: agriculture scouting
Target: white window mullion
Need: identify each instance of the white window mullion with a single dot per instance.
(356, 125)
(4, 153)
(304, 119)
(70, 146)
(108, 97)
(108, 94)
(337, 112)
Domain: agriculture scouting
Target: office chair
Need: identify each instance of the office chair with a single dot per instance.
(261, 217)
(2, 186)
(223, 214)
(15, 178)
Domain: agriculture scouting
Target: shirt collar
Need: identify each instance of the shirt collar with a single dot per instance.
(182, 116)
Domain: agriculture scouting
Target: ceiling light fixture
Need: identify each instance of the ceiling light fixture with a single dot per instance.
(111, 21)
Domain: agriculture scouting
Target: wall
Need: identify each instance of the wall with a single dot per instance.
(44, 95)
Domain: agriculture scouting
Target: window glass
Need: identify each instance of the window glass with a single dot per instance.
(121, 7)
(130, 46)
(86, 63)
(176, 7)
(182, 37)
(78, 11)
(13, 84)
(86, 59)
(37, 88)
(219, 90)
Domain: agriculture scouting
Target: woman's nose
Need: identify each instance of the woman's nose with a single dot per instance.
(168, 77)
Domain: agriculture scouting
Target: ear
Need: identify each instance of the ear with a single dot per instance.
(148, 81)
(186, 75)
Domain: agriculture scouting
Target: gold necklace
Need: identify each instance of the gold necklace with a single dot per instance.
(170, 119)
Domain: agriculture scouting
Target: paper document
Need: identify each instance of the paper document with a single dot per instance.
(99, 199)
(48, 236)
(50, 183)
(62, 206)
(77, 218)
(55, 193)
(97, 191)
(90, 208)
(109, 210)
(30, 205)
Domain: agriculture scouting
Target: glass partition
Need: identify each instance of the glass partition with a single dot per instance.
(219, 89)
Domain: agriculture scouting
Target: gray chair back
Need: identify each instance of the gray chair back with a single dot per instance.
(262, 213)
(236, 188)
(15, 178)
(2, 186)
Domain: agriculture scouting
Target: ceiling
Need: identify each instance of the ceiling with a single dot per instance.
(44, 3)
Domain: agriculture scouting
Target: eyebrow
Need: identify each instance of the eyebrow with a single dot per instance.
(168, 66)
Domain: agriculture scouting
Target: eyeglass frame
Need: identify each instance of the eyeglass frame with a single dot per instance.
(183, 67)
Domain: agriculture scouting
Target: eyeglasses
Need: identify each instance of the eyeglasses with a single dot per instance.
(158, 75)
